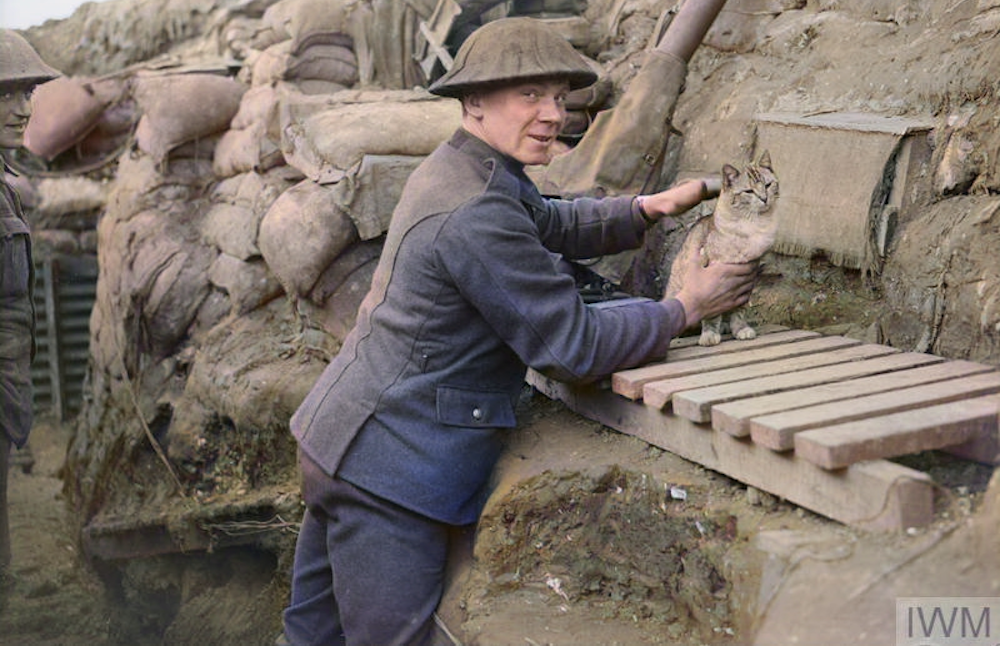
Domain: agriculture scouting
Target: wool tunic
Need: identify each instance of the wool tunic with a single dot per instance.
(17, 323)
(466, 295)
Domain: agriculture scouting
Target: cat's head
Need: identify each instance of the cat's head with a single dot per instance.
(752, 191)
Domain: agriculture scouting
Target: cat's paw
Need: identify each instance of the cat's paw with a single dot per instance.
(709, 338)
(746, 334)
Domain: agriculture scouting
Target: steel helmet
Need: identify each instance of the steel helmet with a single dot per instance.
(510, 49)
(19, 62)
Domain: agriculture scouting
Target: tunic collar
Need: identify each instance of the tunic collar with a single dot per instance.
(469, 144)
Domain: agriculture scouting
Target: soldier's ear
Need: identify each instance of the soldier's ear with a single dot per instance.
(473, 103)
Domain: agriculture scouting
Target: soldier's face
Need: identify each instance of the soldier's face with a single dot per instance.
(15, 108)
(520, 120)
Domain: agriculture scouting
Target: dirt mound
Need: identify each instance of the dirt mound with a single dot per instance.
(627, 546)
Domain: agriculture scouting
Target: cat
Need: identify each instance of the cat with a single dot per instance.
(741, 229)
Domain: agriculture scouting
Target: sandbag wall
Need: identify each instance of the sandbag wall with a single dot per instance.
(241, 231)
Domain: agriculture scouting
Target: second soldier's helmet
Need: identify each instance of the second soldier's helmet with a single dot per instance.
(20, 63)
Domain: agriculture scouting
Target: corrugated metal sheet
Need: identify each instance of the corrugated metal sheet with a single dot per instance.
(65, 290)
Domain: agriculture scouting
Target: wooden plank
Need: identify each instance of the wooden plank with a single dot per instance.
(910, 431)
(735, 345)
(778, 430)
(877, 495)
(696, 405)
(734, 417)
(629, 383)
(659, 393)
(691, 340)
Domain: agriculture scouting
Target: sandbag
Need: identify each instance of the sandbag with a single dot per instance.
(369, 195)
(249, 284)
(269, 66)
(253, 142)
(238, 205)
(183, 107)
(299, 19)
(200, 148)
(319, 87)
(112, 130)
(302, 233)
(233, 229)
(64, 195)
(327, 144)
(334, 301)
(256, 191)
(258, 104)
(162, 277)
(63, 111)
(324, 62)
(249, 149)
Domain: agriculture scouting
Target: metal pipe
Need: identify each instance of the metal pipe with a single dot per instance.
(688, 28)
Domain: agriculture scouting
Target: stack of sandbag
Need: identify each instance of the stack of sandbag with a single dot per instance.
(65, 217)
(309, 43)
(355, 149)
(231, 225)
(323, 63)
(153, 286)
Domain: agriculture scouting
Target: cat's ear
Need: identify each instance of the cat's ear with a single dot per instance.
(729, 175)
(765, 160)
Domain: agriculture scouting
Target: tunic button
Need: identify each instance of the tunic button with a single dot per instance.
(477, 414)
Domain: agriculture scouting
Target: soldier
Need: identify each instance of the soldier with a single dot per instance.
(21, 69)
(401, 432)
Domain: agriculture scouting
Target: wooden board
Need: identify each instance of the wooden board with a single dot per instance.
(629, 383)
(874, 495)
(691, 341)
(658, 394)
(696, 405)
(694, 351)
(910, 431)
(778, 430)
(734, 417)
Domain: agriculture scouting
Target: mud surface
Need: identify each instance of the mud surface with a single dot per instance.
(591, 537)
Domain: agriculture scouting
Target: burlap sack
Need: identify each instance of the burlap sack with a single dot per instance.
(327, 144)
(238, 205)
(317, 87)
(112, 131)
(258, 104)
(249, 284)
(302, 233)
(161, 275)
(183, 107)
(242, 151)
(334, 301)
(64, 110)
(326, 63)
(268, 67)
(64, 195)
(369, 195)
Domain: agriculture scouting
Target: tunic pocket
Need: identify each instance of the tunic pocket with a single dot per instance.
(474, 408)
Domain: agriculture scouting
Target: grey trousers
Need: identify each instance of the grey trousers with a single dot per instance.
(367, 572)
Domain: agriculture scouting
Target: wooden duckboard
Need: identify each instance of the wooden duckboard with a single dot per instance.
(840, 408)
